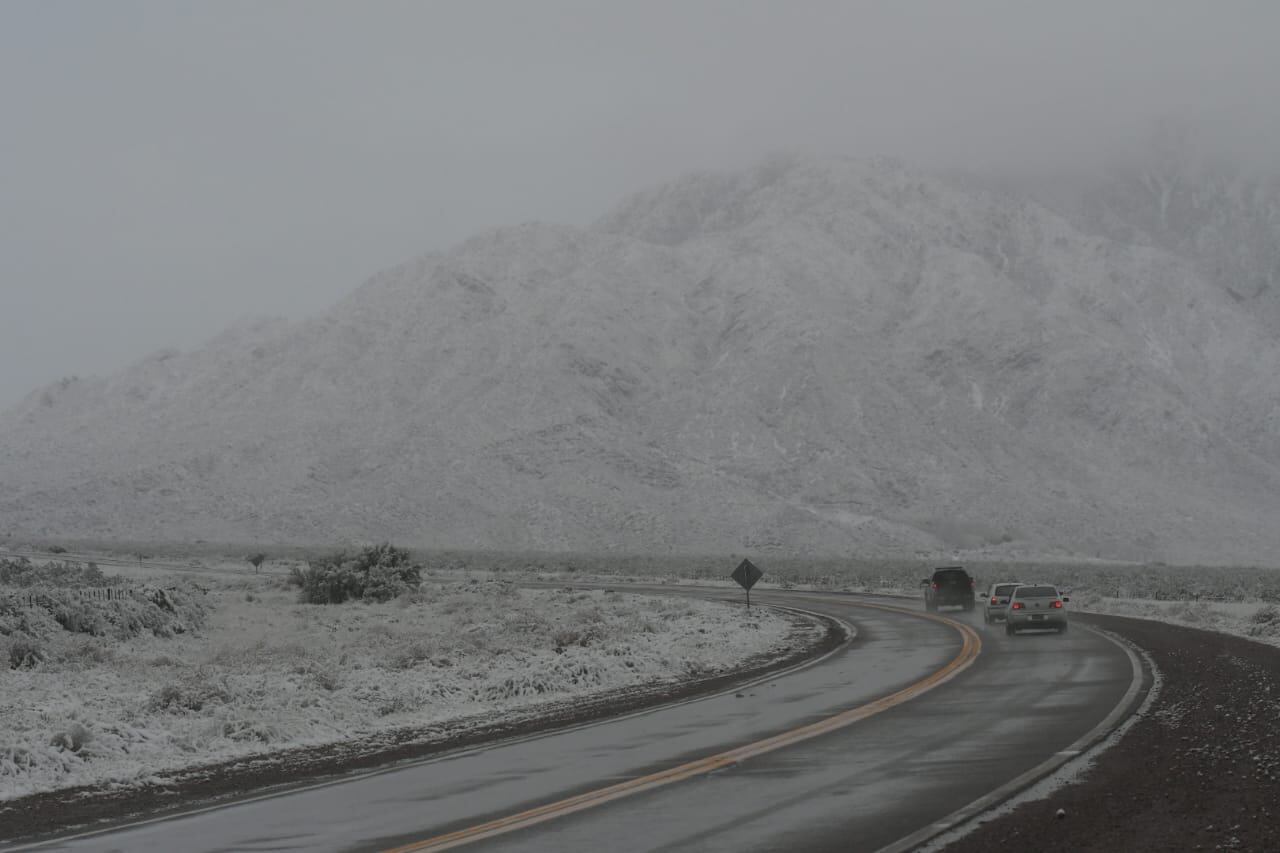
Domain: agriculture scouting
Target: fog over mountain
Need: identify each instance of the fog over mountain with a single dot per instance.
(812, 356)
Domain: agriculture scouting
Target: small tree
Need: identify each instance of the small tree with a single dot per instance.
(256, 561)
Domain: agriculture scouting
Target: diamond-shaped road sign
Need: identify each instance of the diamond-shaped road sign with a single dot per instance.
(746, 575)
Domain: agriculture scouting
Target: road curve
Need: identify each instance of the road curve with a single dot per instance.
(861, 786)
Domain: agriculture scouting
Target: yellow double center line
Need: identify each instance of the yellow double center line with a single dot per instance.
(968, 653)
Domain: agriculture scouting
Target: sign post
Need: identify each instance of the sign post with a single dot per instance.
(746, 575)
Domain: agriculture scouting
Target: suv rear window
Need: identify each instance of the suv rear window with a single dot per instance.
(1004, 589)
(950, 576)
(1037, 592)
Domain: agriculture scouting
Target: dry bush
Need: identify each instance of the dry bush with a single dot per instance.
(250, 731)
(1192, 612)
(24, 652)
(194, 693)
(411, 654)
(565, 637)
(397, 704)
(88, 651)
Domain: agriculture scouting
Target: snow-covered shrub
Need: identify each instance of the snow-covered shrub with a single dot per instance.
(44, 612)
(565, 637)
(384, 583)
(324, 582)
(377, 573)
(17, 619)
(23, 573)
(326, 677)
(411, 654)
(76, 615)
(1191, 612)
(1265, 622)
(249, 731)
(71, 739)
(16, 762)
(193, 693)
(1266, 615)
(23, 652)
(87, 651)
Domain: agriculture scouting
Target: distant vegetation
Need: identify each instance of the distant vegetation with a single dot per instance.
(23, 573)
(376, 573)
(1159, 582)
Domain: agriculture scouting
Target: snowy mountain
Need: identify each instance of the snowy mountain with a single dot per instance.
(1180, 194)
(815, 356)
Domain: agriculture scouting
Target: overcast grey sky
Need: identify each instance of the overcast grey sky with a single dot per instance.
(168, 167)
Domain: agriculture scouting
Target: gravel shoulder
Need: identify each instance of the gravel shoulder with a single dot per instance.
(1200, 771)
(96, 805)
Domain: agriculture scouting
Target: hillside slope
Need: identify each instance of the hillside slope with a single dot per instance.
(814, 356)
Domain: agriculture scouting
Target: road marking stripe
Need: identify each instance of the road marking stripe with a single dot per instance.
(969, 650)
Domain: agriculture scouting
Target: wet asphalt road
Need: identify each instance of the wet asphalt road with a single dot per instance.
(858, 788)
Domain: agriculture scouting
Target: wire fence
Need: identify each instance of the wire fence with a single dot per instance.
(29, 598)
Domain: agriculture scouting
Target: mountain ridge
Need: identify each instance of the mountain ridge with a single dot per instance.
(813, 356)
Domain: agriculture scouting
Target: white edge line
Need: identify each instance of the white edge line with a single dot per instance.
(850, 634)
(1077, 751)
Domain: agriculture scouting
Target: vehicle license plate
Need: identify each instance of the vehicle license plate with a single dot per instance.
(1037, 617)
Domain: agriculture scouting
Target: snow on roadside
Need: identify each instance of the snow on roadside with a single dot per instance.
(266, 673)
(1256, 620)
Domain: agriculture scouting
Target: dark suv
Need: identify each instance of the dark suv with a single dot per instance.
(949, 586)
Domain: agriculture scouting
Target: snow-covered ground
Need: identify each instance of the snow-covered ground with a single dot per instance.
(1257, 620)
(266, 673)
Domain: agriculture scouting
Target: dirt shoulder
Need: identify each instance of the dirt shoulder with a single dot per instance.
(1201, 771)
(91, 807)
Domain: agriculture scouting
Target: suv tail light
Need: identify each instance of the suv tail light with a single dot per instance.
(1057, 605)
(995, 600)
(1017, 605)
(935, 584)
